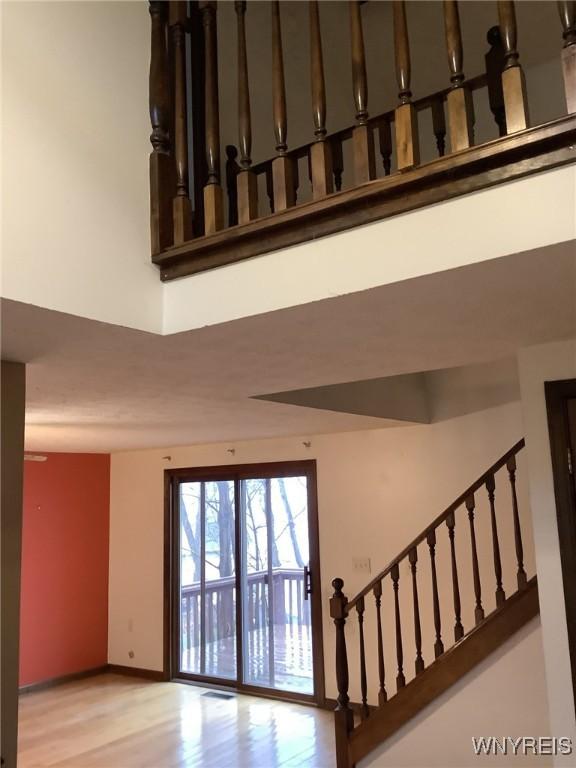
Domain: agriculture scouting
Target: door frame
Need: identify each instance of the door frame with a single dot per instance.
(557, 394)
(238, 472)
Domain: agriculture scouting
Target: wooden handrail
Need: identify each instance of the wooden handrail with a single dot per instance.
(476, 485)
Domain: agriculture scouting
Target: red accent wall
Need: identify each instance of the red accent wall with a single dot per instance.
(64, 599)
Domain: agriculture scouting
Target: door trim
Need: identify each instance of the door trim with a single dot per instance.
(557, 394)
(238, 472)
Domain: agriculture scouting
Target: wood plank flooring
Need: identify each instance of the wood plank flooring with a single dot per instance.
(111, 721)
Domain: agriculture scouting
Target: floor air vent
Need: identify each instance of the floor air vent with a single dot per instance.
(216, 695)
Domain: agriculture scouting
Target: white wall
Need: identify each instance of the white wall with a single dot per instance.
(75, 127)
(390, 483)
(75, 187)
(498, 698)
(549, 362)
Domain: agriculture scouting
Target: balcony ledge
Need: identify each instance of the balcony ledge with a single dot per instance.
(505, 159)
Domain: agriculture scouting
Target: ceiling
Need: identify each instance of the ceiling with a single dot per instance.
(98, 387)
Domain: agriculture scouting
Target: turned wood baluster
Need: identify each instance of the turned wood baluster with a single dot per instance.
(213, 195)
(382, 695)
(478, 611)
(458, 628)
(413, 559)
(160, 170)
(364, 711)
(344, 718)
(567, 10)
(459, 100)
(320, 155)
(439, 125)
(181, 204)
(400, 679)
(247, 188)
(494, 59)
(521, 574)
(362, 140)
(232, 171)
(513, 82)
(282, 165)
(406, 121)
(385, 144)
(438, 644)
(490, 487)
(337, 163)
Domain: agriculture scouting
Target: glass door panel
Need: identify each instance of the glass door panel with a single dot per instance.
(277, 638)
(208, 579)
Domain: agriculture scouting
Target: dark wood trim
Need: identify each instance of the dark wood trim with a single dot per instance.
(156, 675)
(237, 472)
(557, 394)
(498, 161)
(62, 679)
(476, 646)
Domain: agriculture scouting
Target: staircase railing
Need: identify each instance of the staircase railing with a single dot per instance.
(349, 719)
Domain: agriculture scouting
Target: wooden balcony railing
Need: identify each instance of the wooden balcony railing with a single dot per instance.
(196, 226)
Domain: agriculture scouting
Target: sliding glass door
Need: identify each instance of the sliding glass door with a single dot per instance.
(276, 617)
(207, 579)
(244, 565)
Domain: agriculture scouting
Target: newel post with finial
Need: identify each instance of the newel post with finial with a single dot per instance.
(344, 719)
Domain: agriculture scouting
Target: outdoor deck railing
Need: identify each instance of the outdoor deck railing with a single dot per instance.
(290, 608)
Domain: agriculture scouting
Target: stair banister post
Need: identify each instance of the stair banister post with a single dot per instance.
(513, 82)
(343, 716)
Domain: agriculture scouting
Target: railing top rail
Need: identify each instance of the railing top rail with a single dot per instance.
(476, 485)
(473, 84)
(226, 581)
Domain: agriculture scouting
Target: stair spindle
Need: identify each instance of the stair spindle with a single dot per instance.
(382, 695)
(413, 560)
(438, 644)
(344, 715)
(513, 82)
(459, 100)
(246, 185)
(362, 141)
(406, 121)
(521, 576)
(500, 594)
(400, 678)
(160, 170)
(479, 610)
(181, 204)
(458, 628)
(364, 711)
(282, 165)
(337, 163)
(439, 125)
(385, 144)
(494, 59)
(567, 11)
(213, 194)
(320, 156)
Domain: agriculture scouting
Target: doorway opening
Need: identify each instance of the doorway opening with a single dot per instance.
(243, 579)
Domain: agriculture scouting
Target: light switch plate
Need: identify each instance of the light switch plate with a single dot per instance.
(361, 564)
